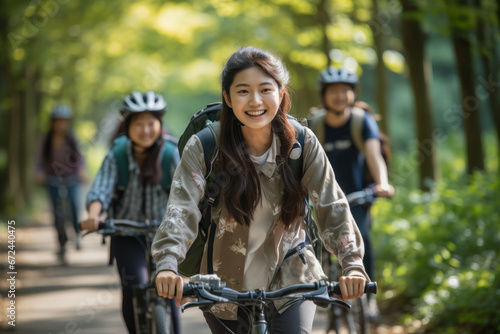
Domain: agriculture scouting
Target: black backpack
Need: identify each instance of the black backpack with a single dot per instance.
(205, 125)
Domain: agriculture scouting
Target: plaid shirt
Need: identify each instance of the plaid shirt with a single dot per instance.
(139, 201)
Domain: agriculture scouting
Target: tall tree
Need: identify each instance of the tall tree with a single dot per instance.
(488, 41)
(324, 20)
(376, 26)
(414, 39)
(461, 33)
(14, 101)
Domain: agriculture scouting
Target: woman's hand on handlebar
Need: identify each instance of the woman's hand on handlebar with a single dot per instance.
(169, 285)
(384, 190)
(90, 224)
(352, 287)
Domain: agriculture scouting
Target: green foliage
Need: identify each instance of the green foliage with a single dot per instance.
(438, 252)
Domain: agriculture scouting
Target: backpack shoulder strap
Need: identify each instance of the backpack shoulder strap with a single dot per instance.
(208, 137)
(167, 157)
(317, 125)
(296, 158)
(120, 152)
(209, 140)
(357, 117)
(312, 230)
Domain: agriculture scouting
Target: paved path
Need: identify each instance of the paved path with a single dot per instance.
(80, 298)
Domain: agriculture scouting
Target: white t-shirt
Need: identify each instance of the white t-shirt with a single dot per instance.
(255, 274)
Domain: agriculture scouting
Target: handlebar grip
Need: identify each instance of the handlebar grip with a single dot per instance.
(101, 226)
(371, 287)
(189, 290)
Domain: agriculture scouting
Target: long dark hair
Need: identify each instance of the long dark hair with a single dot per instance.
(151, 171)
(241, 190)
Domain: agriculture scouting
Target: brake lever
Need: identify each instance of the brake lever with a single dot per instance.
(204, 298)
(321, 297)
(196, 304)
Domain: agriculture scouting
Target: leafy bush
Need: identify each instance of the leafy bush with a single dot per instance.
(437, 254)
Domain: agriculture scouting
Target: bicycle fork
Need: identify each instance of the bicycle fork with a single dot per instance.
(259, 325)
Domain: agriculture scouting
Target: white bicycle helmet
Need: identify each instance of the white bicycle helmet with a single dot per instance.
(332, 75)
(61, 111)
(137, 102)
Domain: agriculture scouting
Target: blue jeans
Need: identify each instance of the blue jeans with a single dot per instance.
(57, 195)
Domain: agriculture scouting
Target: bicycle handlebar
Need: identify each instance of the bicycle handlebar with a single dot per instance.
(125, 227)
(363, 197)
(208, 289)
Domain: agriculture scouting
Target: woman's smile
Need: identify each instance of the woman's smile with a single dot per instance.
(255, 113)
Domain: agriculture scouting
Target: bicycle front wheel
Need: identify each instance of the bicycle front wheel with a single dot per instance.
(358, 318)
(161, 317)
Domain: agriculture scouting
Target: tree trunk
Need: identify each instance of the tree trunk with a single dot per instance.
(489, 58)
(414, 46)
(381, 74)
(28, 133)
(4, 68)
(14, 112)
(324, 20)
(498, 11)
(470, 103)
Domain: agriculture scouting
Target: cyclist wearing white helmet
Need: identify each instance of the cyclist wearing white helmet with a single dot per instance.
(143, 196)
(348, 146)
(60, 167)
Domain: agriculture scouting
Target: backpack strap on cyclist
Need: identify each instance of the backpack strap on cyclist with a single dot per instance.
(312, 231)
(208, 137)
(296, 158)
(120, 152)
(357, 118)
(168, 151)
(317, 125)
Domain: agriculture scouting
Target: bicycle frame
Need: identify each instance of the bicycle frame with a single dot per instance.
(356, 321)
(145, 297)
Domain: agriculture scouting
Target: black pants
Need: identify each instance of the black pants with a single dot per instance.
(131, 262)
(297, 319)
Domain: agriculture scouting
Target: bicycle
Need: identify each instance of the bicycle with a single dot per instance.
(210, 290)
(151, 312)
(357, 320)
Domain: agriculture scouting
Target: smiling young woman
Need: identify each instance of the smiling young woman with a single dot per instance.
(143, 198)
(259, 218)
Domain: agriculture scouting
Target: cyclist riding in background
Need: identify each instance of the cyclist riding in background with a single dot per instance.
(61, 168)
(259, 230)
(334, 129)
(130, 185)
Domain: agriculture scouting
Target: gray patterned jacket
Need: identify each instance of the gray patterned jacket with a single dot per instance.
(338, 229)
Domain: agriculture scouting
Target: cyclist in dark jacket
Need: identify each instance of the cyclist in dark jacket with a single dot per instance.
(332, 125)
(61, 168)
